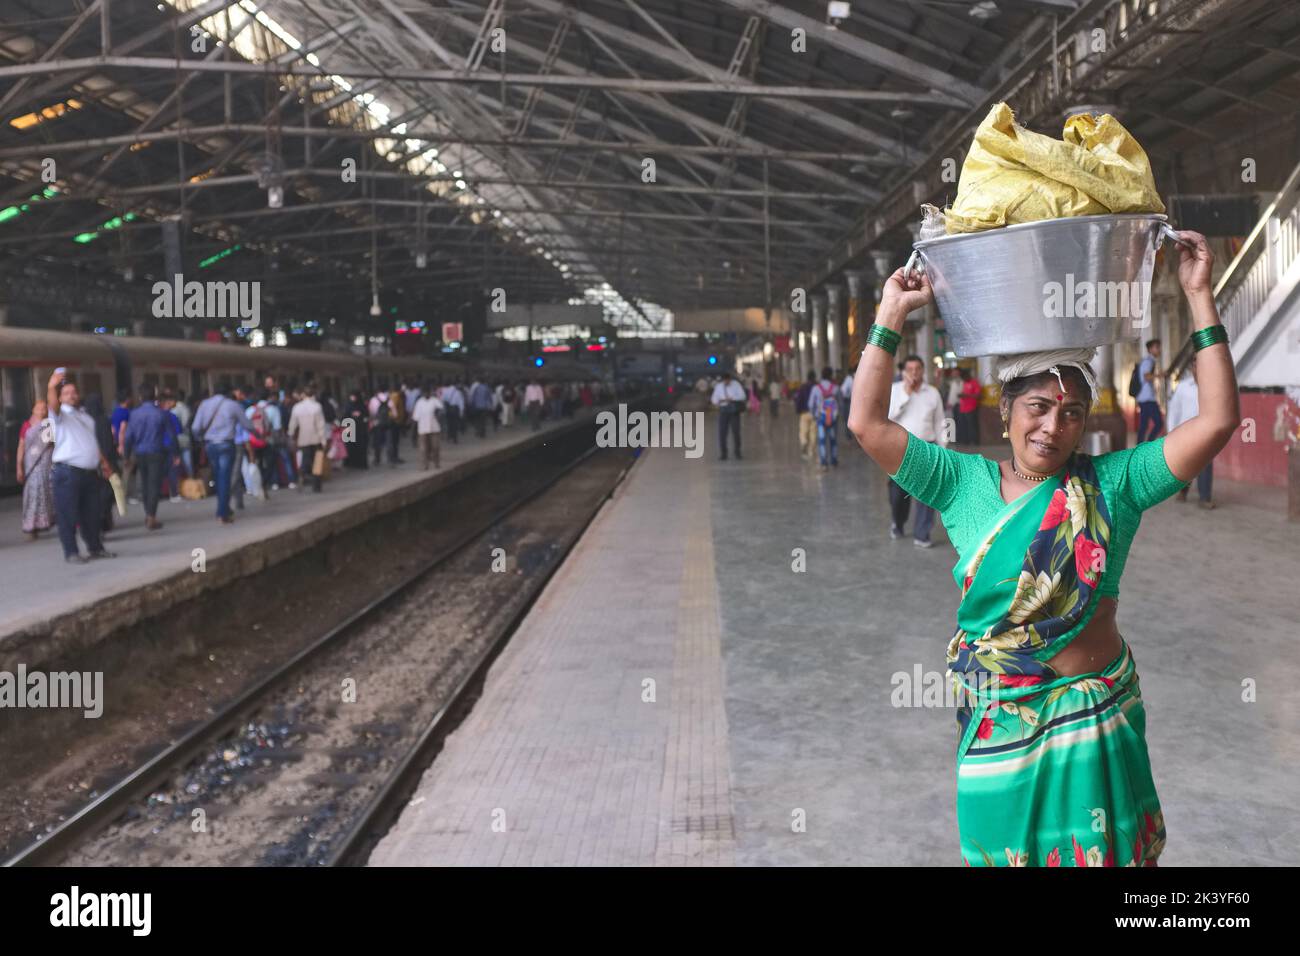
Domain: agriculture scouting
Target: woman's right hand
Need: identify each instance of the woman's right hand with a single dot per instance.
(903, 295)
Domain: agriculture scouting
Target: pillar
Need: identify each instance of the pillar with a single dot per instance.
(988, 416)
(1106, 416)
(1165, 322)
(803, 345)
(882, 260)
(1121, 362)
(925, 340)
(819, 303)
(858, 316)
(835, 326)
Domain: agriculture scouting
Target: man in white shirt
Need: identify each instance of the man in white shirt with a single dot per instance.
(729, 395)
(427, 408)
(505, 398)
(307, 431)
(183, 415)
(534, 396)
(381, 423)
(774, 396)
(918, 407)
(1185, 404)
(78, 462)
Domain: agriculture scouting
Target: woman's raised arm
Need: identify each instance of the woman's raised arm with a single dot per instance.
(1193, 444)
(885, 441)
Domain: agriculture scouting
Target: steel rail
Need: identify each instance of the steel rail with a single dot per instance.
(110, 804)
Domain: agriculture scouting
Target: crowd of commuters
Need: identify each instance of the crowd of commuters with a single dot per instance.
(821, 402)
(76, 461)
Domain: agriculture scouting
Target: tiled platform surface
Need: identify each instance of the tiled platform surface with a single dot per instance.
(772, 738)
(601, 738)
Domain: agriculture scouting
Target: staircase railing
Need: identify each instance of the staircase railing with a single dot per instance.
(1270, 249)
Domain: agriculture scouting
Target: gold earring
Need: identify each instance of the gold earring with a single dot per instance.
(1004, 429)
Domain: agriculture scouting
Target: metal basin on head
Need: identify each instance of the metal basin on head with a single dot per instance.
(1078, 282)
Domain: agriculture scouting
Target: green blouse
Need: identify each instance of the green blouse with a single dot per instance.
(966, 490)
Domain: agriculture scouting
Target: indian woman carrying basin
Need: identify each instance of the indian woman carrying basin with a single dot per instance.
(1052, 764)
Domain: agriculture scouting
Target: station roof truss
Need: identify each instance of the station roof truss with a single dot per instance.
(456, 147)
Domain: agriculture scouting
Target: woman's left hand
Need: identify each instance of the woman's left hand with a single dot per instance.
(1195, 263)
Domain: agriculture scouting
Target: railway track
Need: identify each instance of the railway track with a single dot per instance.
(350, 800)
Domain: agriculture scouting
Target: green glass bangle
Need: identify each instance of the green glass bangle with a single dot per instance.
(884, 338)
(882, 343)
(1210, 335)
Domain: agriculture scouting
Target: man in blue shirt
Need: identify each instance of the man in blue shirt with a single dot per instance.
(215, 422)
(143, 438)
(172, 440)
(1147, 396)
(480, 403)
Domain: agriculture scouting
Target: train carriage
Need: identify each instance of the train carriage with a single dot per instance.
(105, 364)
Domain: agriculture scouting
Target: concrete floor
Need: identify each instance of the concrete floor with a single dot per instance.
(776, 741)
(1207, 601)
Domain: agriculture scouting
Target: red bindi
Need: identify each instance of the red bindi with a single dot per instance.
(1059, 396)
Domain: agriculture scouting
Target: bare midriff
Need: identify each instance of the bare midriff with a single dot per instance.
(1094, 647)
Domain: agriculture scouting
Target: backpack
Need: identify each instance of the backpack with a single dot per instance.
(1135, 381)
(381, 413)
(260, 432)
(830, 406)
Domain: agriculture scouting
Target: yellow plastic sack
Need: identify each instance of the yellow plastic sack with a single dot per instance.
(1014, 175)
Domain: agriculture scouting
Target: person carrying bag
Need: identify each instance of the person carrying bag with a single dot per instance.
(307, 430)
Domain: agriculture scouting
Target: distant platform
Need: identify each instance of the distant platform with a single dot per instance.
(52, 608)
(772, 689)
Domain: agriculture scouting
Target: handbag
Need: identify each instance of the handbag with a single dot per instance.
(119, 493)
(320, 464)
(192, 489)
(252, 479)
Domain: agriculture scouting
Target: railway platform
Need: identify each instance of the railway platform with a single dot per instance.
(681, 694)
(54, 610)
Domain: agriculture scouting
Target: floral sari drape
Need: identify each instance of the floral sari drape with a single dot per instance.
(1030, 585)
(38, 487)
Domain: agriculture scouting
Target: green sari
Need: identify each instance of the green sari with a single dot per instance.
(1048, 767)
